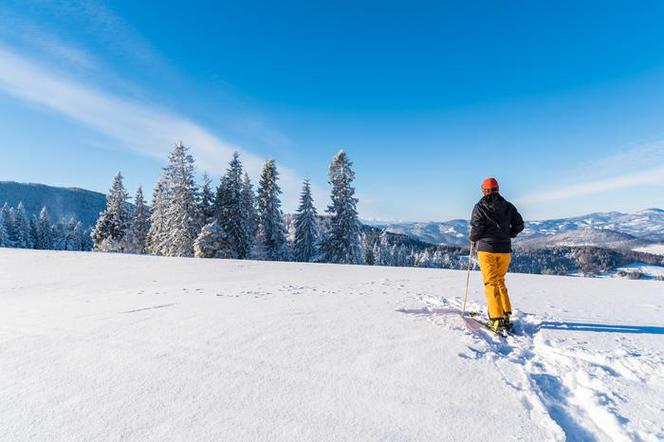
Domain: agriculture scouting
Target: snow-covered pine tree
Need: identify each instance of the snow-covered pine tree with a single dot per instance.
(232, 214)
(305, 246)
(86, 237)
(394, 256)
(271, 231)
(378, 254)
(367, 247)
(156, 232)
(211, 242)
(7, 218)
(71, 240)
(140, 224)
(249, 209)
(206, 203)
(43, 231)
(12, 234)
(3, 234)
(58, 234)
(227, 235)
(33, 226)
(110, 233)
(21, 227)
(343, 242)
(423, 259)
(182, 219)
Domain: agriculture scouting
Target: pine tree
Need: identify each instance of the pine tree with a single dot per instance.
(110, 233)
(72, 242)
(378, 256)
(394, 255)
(140, 224)
(43, 231)
(249, 209)
(271, 233)
(232, 217)
(7, 218)
(58, 235)
(211, 242)
(305, 247)
(33, 225)
(156, 234)
(206, 203)
(21, 227)
(86, 237)
(12, 234)
(3, 234)
(343, 241)
(367, 246)
(181, 217)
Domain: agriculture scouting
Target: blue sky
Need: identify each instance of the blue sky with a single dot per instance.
(562, 102)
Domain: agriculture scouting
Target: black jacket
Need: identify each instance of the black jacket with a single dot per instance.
(494, 223)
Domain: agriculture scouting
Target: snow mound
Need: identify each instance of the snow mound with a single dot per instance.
(100, 346)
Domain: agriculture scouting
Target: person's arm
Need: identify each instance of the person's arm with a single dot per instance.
(476, 225)
(516, 224)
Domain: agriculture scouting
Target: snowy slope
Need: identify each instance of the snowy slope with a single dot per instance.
(645, 224)
(454, 232)
(655, 249)
(584, 236)
(96, 347)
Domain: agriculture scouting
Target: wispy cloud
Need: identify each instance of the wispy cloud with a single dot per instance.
(147, 129)
(629, 159)
(630, 167)
(90, 18)
(650, 177)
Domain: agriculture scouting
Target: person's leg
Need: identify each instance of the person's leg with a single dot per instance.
(503, 264)
(489, 268)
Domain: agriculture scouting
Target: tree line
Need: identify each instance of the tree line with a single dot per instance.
(37, 232)
(232, 220)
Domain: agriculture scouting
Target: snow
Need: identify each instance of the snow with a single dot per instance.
(651, 271)
(655, 249)
(108, 346)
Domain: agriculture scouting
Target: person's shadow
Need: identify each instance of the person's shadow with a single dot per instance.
(602, 328)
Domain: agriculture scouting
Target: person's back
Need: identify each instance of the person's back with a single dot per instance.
(494, 222)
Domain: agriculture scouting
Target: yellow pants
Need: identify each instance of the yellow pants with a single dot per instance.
(494, 267)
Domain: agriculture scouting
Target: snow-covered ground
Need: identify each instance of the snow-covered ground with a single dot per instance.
(649, 271)
(98, 347)
(655, 249)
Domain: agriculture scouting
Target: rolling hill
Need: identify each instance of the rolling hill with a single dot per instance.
(61, 202)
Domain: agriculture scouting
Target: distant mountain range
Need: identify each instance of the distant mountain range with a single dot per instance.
(61, 202)
(614, 230)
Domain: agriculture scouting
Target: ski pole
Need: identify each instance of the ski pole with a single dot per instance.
(465, 296)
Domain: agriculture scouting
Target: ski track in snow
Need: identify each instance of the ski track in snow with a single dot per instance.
(569, 388)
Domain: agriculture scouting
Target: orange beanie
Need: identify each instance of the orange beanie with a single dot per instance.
(490, 184)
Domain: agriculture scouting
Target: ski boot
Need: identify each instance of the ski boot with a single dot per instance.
(497, 325)
(507, 324)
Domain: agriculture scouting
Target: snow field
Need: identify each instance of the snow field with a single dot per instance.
(107, 347)
(655, 249)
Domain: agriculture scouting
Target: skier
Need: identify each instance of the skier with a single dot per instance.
(495, 221)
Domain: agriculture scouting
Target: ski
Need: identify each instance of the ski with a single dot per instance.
(474, 324)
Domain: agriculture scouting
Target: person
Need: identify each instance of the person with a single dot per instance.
(493, 224)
